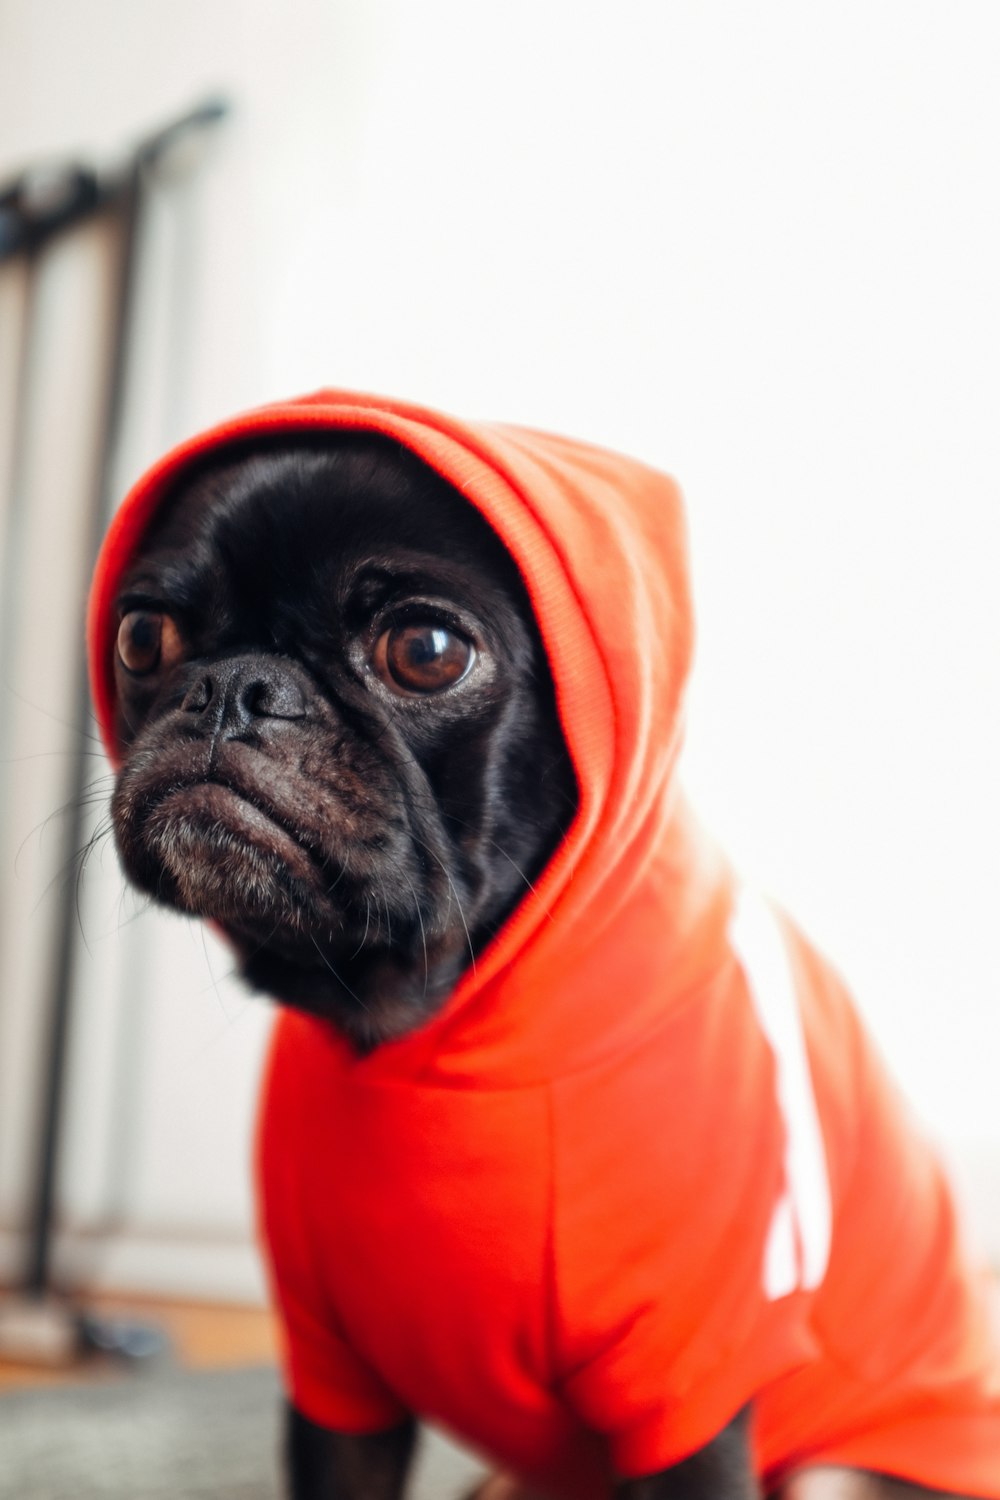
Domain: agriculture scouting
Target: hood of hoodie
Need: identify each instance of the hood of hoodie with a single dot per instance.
(629, 916)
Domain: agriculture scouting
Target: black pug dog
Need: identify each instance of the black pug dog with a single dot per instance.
(355, 717)
(340, 743)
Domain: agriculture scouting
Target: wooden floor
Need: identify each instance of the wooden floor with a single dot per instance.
(202, 1336)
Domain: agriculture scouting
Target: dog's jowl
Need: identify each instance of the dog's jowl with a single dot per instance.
(569, 1140)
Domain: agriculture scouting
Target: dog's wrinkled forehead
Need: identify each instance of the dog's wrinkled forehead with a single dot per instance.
(250, 522)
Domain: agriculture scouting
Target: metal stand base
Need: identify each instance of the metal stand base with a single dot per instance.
(52, 1333)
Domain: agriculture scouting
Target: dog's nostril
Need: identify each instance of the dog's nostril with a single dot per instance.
(234, 693)
(279, 698)
(198, 697)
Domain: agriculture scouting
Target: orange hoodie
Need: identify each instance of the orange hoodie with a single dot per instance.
(644, 1167)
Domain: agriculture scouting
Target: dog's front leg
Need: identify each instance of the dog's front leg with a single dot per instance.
(325, 1465)
(719, 1471)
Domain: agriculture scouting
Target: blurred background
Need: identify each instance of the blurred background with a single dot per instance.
(754, 245)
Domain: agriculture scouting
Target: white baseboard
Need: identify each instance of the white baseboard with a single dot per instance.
(198, 1267)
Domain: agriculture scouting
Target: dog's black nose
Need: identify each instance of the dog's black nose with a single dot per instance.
(229, 696)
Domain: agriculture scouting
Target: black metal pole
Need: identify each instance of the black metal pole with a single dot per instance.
(126, 204)
(60, 982)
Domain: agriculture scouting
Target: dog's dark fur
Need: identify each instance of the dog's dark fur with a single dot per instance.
(359, 839)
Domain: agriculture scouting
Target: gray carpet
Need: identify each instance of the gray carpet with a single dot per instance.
(168, 1437)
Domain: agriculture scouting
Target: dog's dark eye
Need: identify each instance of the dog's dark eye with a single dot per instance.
(146, 639)
(423, 657)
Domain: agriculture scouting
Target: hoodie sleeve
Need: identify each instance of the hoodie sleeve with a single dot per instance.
(325, 1377)
(683, 1284)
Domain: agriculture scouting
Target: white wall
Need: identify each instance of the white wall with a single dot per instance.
(754, 244)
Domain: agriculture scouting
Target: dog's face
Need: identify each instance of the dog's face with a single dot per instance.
(342, 741)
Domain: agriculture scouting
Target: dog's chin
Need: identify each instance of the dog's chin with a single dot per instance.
(213, 853)
(218, 855)
(371, 995)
